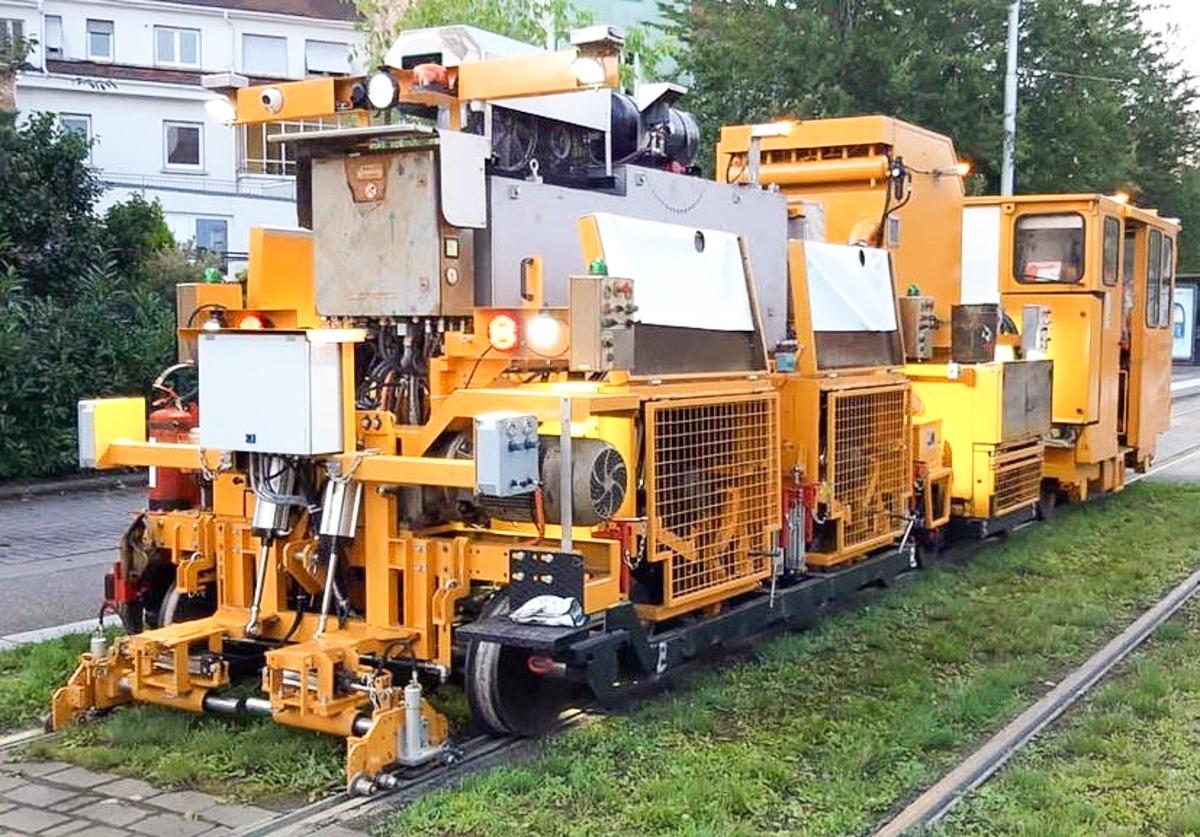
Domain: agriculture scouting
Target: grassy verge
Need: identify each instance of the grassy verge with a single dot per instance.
(1124, 762)
(830, 729)
(30, 674)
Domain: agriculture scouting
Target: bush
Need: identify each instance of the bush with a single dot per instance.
(105, 340)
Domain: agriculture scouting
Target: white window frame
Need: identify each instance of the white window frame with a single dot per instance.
(53, 50)
(166, 133)
(12, 28)
(87, 119)
(176, 41)
(248, 37)
(281, 165)
(112, 40)
(321, 43)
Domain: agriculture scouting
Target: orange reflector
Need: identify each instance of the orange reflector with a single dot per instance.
(502, 332)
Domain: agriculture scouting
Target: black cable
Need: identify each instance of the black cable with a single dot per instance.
(475, 368)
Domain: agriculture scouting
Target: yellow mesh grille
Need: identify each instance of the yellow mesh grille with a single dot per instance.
(1018, 478)
(712, 483)
(868, 462)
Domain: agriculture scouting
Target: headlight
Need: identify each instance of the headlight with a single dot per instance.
(220, 109)
(542, 333)
(381, 91)
(588, 71)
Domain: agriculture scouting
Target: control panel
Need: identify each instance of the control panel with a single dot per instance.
(506, 453)
(602, 321)
(918, 323)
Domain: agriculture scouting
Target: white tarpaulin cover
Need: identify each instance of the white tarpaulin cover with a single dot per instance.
(675, 282)
(849, 288)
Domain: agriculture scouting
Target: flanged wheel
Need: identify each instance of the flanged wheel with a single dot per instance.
(177, 607)
(505, 692)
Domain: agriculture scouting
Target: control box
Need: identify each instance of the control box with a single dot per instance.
(918, 323)
(270, 392)
(602, 323)
(506, 453)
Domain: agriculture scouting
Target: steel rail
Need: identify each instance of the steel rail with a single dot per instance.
(973, 771)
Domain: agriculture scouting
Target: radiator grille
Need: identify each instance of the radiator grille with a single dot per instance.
(1018, 478)
(712, 485)
(868, 463)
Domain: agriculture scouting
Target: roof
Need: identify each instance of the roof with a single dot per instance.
(325, 9)
(129, 72)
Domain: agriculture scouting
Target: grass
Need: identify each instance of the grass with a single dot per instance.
(828, 730)
(29, 675)
(1123, 762)
(822, 733)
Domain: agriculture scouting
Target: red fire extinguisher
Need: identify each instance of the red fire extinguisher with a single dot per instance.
(172, 421)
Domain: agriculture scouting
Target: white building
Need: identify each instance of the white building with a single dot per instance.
(127, 72)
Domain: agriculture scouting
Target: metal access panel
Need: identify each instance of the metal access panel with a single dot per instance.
(272, 392)
(531, 219)
(1028, 387)
(376, 238)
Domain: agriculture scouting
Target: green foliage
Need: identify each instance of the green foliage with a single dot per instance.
(1101, 108)
(30, 674)
(106, 339)
(86, 303)
(829, 729)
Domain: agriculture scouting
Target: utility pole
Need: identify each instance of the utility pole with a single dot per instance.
(1010, 99)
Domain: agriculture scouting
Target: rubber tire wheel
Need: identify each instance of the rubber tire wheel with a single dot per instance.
(177, 607)
(504, 696)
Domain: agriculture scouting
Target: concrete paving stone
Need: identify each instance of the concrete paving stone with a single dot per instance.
(111, 812)
(235, 816)
(219, 831)
(74, 802)
(39, 795)
(39, 768)
(71, 827)
(99, 831)
(134, 790)
(79, 777)
(8, 780)
(31, 820)
(184, 802)
(170, 825)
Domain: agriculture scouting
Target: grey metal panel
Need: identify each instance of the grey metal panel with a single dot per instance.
(539, 219)
(1027, 393)
(377, 258)
(461, 159)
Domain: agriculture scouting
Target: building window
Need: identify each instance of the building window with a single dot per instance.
(326, 58)
(78, 123)
(53, 41)
(11, 30)
(182, 141)
(212, 236)
(100, 40)
(264, 55)
(259, 156)
(176, 47)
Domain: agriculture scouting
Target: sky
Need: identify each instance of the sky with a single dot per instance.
(1180, 20)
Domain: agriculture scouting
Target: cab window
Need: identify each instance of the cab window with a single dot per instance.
(1153, 278)
(1164, 288)
(1049, 248)
(1112, 250)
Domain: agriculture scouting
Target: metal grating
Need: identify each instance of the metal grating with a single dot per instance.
(1018, 478)
(713, 490)
(868, 463)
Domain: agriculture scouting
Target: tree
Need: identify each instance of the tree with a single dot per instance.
(1101, 108)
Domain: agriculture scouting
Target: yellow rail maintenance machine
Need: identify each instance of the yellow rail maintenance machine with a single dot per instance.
(503, 409)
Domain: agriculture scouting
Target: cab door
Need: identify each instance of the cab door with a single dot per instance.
(1149, 398)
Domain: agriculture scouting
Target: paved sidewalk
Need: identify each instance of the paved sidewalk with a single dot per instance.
(52, 798)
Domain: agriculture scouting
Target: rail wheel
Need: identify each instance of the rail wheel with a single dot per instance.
(505, 691)
(177, 607)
